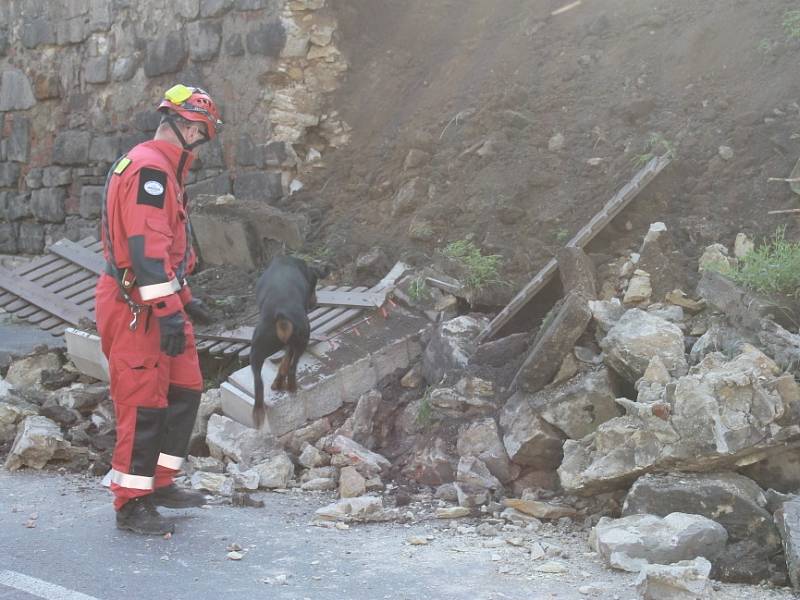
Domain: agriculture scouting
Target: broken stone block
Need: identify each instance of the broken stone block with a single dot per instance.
(228, 439)
(450, 403)
(721, 414)
(210, 404)
(732, 500)
(780, 472)
(410, 195)
(351, 483)
(312, 457)
(471, 495)
(362, 508)
(26, 373)
(319, 484)
(718, 338)
(657, 257)
(577, 272)
(203, 463)
(13, 411)
(38, 441)
(528, 439)
(352, 453)
(684, 580)
(294, 441)
(363, 417)
(632, 542)
(636, 338)
(787, 519)
(680, 298)
(446, 492)
(639, 289)
(578, 407)
(216, 483)
(741, 306)
(276, 472)
(433, 464)
(481, 439)
(243, 232)
(473, 472)
(83, 398)
(556, 340)
(540, 510)
(247, 480)
(451, 345)
(715, 258)
(606, 313)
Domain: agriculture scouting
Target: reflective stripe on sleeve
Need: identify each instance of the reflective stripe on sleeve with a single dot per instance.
(158, 290)
(169, 461)
(134, 482)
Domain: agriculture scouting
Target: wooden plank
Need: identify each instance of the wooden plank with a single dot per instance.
(37, 263)
(351, 299)
(234, 349)
(42, 298)
(83, 293)
(50, 323)
(75, 253)
(600, 220)
(218, 348)
(63, 279)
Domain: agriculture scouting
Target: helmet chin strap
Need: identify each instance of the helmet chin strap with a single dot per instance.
(187, 148)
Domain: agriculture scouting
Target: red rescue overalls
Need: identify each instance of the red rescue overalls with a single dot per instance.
(146, 235)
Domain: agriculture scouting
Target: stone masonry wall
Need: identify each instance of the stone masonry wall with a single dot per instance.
(80, 80)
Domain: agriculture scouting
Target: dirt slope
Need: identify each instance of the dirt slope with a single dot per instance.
(450, 77)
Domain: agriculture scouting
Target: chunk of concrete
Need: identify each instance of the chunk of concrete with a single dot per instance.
(787, 519)
(362, 508)
(528, 439)
(742, 307)
(243, 233)
(228, 439)
(26, 373)
(351, 483)
(433, 463)
(632, 542)
(38, 441)
(473, 472)
(721, 415)
(684, 580)
(451, 346)
(276, 472)
(330, 373)
(639, 336)
(351, 453)
(481, 439)
(732, 500)
(557, 339)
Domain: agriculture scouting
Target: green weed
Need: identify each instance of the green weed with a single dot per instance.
(791, 24)
(562, 235)
(772, 268)
(425, 416)
(657, 145)
(418, 289)
(481, 269)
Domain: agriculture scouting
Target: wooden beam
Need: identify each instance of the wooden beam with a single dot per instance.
(42, 298)
(611, 209)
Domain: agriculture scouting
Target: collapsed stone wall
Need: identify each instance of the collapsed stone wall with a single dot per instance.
(79, 81)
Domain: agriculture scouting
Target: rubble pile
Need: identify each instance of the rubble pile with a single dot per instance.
(661, 424)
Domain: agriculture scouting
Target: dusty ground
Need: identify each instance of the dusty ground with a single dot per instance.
(73, 544)
(447, 76)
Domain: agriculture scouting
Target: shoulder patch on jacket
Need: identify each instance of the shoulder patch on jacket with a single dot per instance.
(152, 187)
(122, 164)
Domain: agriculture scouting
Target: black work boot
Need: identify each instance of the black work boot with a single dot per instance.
(172, 496)
(141, 516)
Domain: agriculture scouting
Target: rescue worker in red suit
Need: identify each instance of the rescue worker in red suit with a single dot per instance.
(142, 309)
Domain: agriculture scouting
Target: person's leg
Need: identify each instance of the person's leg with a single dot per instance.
(183, 399)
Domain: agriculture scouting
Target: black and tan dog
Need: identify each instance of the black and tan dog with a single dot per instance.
(285, 293)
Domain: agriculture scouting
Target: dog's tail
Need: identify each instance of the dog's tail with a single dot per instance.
(283, 328)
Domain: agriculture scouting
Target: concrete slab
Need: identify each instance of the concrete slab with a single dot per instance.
(86, 354)
(331, 373)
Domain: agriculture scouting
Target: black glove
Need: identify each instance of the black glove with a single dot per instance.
(173, 340)
(198, 311)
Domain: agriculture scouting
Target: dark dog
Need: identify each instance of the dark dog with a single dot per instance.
(285, 293)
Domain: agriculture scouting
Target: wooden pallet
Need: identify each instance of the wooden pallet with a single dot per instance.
(326, 321)
(55, 290)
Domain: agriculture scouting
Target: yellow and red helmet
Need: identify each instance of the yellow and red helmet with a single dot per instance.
(193, 104)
